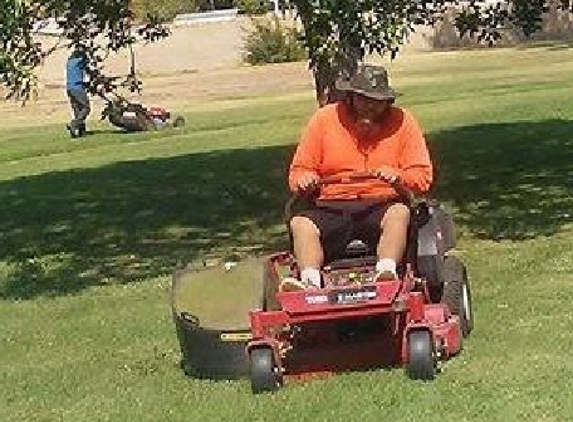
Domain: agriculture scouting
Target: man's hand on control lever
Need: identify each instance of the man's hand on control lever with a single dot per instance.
(387, 174)
(307, 182)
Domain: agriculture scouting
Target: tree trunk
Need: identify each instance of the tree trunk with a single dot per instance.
(326, 68)
(324, 80)
(325, 75)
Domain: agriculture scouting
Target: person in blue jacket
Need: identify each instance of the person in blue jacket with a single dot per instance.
(77, 93)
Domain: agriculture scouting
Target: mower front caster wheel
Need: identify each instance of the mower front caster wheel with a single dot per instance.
(421, 356)
(265, 375)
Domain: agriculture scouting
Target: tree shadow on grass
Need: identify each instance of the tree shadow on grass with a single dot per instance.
(507, 181)
(131, 221)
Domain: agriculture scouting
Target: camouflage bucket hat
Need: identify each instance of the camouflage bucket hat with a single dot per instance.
(370, 81)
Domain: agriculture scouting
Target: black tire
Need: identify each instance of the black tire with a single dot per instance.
(179, 121)
(264, 373)
(421, 356)
(457, 293)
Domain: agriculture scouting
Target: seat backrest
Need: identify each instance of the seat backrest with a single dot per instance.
(435, 235)
(356, 248)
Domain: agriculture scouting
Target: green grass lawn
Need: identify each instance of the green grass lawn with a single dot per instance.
(91, 229)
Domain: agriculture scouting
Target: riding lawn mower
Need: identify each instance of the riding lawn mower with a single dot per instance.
(352, 322)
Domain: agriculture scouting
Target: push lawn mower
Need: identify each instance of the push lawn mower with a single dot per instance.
(352, 323)
(134, 117)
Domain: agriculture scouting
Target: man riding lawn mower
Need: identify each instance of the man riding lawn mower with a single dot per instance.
(363, 133)
(134, 117)
(370, 280)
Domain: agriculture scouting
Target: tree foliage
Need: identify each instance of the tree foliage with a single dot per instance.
(339, 33)
(101, 27)
(272, 41)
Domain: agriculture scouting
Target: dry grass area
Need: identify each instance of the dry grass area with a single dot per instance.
(196, 63)
(181, 90)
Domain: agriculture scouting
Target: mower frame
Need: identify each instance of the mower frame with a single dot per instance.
(355, 322)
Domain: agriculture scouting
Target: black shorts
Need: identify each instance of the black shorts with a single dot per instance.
(340, 222)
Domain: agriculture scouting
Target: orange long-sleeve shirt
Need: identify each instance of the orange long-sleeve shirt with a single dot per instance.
(329, 147)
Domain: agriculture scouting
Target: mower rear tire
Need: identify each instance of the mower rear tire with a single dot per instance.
(422, 363)
(264, 372)
(457, 294)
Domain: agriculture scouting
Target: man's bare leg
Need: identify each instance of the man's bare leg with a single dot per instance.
(307, 249)
(306, 242)
(392, 243)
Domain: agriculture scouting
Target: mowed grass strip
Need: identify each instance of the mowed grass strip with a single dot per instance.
(91, 230)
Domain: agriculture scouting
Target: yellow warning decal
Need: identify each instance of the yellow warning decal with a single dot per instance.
(236, 336)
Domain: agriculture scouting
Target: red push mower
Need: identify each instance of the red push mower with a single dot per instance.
(134, 117)
(356, 323)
